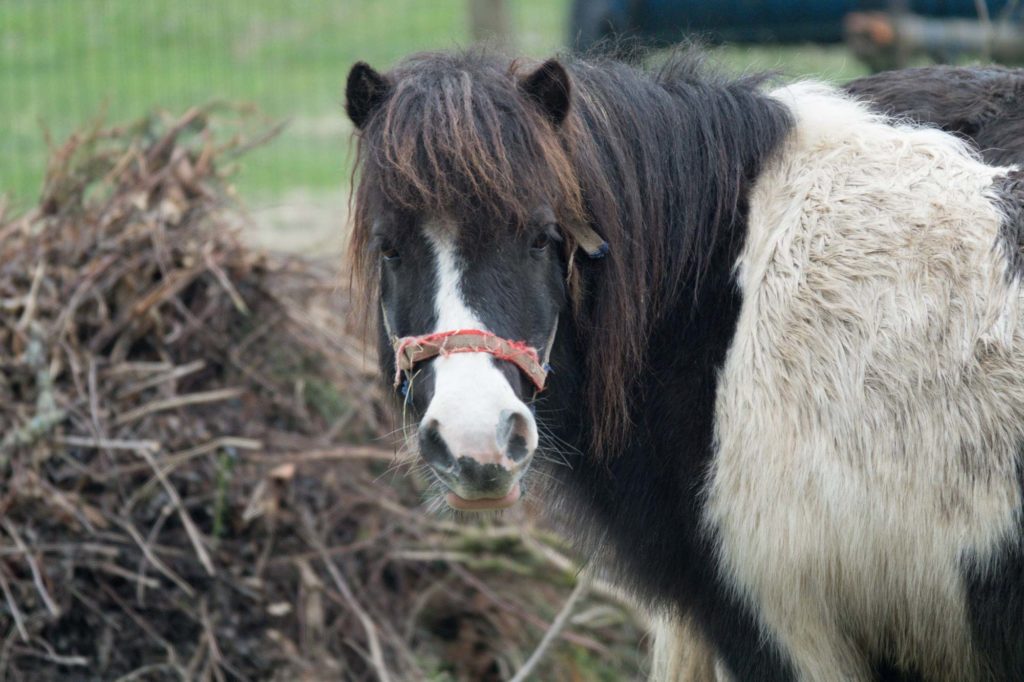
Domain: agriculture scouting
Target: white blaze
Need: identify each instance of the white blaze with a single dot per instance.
(470, 393)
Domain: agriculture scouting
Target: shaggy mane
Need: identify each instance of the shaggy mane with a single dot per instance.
(657, 162)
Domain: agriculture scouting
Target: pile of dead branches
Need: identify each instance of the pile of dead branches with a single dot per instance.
(186, 489)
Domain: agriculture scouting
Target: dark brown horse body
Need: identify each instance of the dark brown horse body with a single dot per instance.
(983, 104)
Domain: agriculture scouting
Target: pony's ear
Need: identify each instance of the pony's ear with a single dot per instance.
(549, 87)
(365, 91)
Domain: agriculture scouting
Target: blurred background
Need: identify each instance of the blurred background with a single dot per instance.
(64, 62)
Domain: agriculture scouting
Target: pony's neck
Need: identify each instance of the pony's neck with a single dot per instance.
(664, 164)
(698, 148)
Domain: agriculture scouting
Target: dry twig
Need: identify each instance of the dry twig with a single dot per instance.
(171, 398)
(552, 633)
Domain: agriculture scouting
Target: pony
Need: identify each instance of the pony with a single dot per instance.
(984, 105)
(761, 351)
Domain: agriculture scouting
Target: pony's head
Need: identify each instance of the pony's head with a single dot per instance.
(463, 196)
(486, 191)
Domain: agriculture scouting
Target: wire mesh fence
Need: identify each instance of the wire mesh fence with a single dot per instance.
(66, 62)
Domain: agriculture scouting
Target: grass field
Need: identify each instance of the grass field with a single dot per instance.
(64, 62)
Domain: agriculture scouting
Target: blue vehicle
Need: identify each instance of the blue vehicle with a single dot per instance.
(662, 22)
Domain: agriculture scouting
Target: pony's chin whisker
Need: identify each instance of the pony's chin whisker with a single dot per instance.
(404, 430)
(547, 458)
(409, 464)
(556, 445)
(436, 506)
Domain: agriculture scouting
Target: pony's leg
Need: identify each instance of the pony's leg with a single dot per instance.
(681, 654)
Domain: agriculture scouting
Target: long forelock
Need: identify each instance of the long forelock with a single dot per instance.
(456, 136)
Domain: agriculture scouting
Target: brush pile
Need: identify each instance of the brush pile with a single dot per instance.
(186, 491)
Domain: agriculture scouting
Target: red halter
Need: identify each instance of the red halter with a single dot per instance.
(412, 349)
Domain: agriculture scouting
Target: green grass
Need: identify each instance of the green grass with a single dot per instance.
(62, 62)
(832, 63)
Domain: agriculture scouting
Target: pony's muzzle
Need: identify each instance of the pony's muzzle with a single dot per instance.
(480, 464)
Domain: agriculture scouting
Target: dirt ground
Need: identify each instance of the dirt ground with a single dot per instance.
(308, 223)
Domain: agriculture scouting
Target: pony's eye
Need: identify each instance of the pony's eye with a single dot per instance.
(389, 252)
(541, 241)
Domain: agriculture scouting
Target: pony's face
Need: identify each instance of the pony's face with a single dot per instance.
(476, 428)
(456, 240)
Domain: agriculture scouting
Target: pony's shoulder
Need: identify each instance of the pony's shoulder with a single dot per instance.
(820, 110)
(848, 176)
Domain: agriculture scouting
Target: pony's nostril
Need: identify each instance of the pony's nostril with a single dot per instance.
(488, 479)
(513, 431)
(433, 448)
(517, 448)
